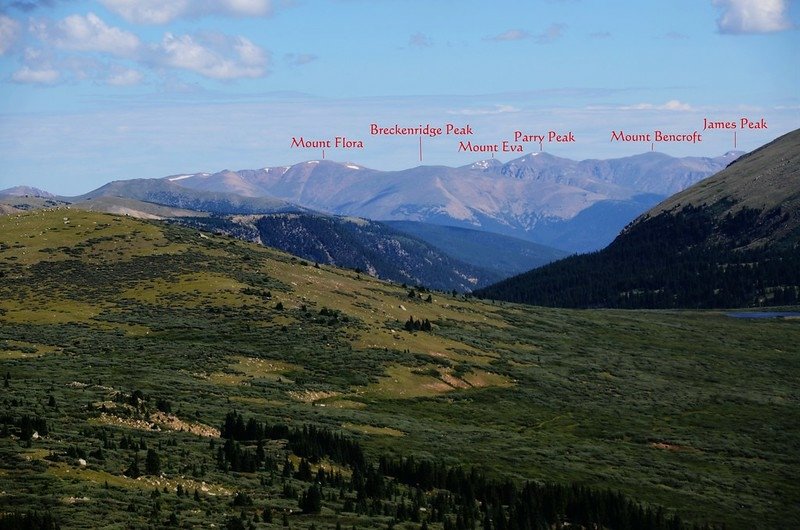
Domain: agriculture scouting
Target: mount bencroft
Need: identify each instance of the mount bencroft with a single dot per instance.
(732, 240)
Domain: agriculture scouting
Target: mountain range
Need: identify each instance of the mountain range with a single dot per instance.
(25, 191)
(438, 257)
(446, 228)
(168, 193)
(566, 204)
(732, 240)
(21, 198)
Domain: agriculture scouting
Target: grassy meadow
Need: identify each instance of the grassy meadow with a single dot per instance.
(120, 332)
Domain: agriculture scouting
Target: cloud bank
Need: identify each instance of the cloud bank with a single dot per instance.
(208, 54)
(212, 55)
(753, 16)
(510, 35)
(90, 34)
(9, 31)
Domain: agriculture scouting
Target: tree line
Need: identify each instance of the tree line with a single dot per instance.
(427, 492)
(686, 259)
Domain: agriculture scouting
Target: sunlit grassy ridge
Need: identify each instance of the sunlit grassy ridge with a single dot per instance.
(694, 411)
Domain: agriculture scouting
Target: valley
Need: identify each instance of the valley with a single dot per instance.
(732, 240)
(418, 265)
(124, 337)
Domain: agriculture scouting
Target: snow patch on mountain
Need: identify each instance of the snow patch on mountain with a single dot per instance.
(516, 197)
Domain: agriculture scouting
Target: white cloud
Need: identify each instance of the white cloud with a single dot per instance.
(552, 33)
(9, 31)
(498, 109)
(212, 55)
(43, 76)
(671, 105)
(45, 66)
(161, 12)
(420, 40)
(31, 55)
(37, 68)
(299, 59)
(753, 16)
(124, 77)
(89, 33)
(79, 67)
(674, 104)
(512, 34)
(244, 8)
(148, 11)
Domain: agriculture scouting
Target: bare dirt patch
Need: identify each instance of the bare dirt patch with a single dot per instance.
(159, 421)
(311, 396)
(371, 429)
(664, 446)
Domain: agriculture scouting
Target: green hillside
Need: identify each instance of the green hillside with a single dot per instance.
(155, 376)
(355, 243)
(504, 254)
(732, 240)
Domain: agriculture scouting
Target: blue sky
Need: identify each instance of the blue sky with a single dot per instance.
(97, 91)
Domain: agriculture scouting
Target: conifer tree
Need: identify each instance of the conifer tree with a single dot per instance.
(152, 463)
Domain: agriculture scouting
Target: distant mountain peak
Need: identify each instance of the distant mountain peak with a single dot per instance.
(482, 165)
(766, 178)
(22, 191)
(729, 241)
